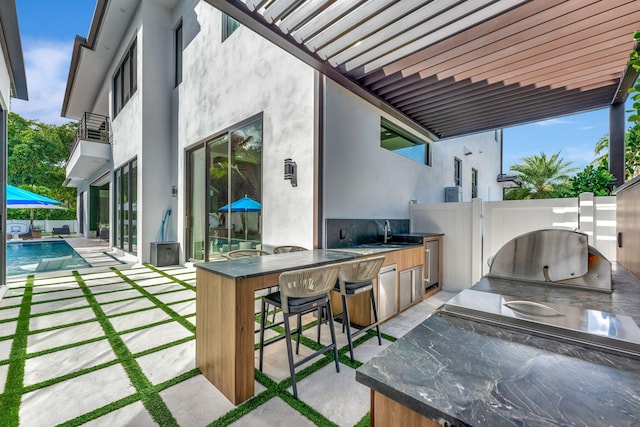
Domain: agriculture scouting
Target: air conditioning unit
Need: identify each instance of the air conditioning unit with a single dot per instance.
(453, 194)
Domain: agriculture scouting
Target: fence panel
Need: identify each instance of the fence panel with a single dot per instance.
(455, 221)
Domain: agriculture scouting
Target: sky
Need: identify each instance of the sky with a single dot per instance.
(48, 29)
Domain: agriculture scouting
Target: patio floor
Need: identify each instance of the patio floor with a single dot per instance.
(115, 345)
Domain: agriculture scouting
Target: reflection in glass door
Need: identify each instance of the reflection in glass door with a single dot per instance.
(196, 228)
(225, 193)
(126, 207)
(218, 195)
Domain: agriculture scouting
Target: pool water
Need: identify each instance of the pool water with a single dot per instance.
(24, 257)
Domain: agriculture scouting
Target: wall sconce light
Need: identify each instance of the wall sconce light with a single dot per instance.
(291, 172)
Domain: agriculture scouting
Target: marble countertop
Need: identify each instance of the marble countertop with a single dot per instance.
(244, 268)
(474, 374)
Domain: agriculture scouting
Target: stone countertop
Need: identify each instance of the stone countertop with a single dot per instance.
(470, 373)
(244, 268)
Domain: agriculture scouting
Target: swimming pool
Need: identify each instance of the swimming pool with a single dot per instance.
(24, 257)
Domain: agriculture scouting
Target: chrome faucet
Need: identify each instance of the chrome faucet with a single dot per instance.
(386, 229)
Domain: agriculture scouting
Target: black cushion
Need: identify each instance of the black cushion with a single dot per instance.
(276, 299)
(351, 287)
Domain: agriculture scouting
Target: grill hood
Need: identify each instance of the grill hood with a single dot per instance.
(555, 258)
(562, 257)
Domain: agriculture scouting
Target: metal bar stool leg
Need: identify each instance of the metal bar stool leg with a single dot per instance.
(263, 322)
(298, 333)
(333, 335)
(321, 311)
(347, 324)
(292, 370)
(375, 316)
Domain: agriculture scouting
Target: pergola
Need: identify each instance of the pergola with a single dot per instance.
(452, 67)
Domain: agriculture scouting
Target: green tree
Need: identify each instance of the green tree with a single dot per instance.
(596, 180)
(542, 177)
(37, 155)
(631, 152)
(634, 62)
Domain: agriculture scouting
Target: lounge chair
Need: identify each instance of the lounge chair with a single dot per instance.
(62, 230)
(51, 264)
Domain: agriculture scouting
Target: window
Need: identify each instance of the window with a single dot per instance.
(126, 207)
(457, 171)
(178, 54)
(394, 138)
(474, 183)
(125, 79)
(229, 25)
(222, 171)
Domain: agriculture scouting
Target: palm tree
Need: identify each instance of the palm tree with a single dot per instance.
(542, 177)
(631, 152)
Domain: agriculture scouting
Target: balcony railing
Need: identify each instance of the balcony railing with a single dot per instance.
(93, 127)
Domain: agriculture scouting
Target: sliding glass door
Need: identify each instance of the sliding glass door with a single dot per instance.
(126, 207)
(225, 192)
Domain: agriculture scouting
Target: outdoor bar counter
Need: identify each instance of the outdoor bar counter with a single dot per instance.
(225, 322)
(456, 372)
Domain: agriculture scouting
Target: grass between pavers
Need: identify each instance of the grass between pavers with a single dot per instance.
(151, 297)
(148, 394)
(273, 389)
(169, 276)
(13, 389)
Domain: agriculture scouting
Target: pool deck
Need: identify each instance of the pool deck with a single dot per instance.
(115, 345)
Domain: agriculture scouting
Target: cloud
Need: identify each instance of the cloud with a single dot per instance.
(580, 155)
(551, 122)
(587, 127)
(47, 69)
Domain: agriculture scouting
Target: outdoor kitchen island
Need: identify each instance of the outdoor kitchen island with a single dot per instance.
(457, 372)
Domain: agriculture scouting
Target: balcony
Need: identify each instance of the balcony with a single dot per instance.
(91, 149)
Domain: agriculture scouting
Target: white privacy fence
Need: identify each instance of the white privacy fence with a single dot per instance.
(474, 231)
(47, 224)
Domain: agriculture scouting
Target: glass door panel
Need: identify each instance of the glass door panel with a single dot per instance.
(218, 197)
(196, 231)
(125, 211)
(118, 209)
(133, 196)
(246, 185)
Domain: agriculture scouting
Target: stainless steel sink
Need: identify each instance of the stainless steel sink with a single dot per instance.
(388, 245)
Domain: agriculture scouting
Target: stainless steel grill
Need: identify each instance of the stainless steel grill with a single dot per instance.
(553, 258)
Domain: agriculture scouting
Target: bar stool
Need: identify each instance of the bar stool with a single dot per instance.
(301, 292)
(287, 248)
(356, 277)
(245, 253)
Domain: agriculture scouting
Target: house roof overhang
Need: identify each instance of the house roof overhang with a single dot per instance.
(92, 58)
(12, 49)
(459, 67)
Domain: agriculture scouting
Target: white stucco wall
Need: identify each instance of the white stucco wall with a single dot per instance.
(227, 83)
(154, 186)
(142, 128)
(364, 180)
(5, 85)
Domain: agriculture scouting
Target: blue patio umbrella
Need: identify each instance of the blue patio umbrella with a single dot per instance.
(24, 199)
(245, 205)
(17, 198)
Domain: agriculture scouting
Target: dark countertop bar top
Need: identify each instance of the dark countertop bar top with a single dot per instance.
(474, 374)
(244, 268)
